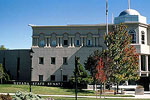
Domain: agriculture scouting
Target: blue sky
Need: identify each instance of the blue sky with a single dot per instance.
(15, 15)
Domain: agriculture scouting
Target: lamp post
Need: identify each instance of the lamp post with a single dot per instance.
(61, 72)
(76, 67)
(31, 55)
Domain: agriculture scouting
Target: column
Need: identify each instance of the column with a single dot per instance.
(139, 65)
(81, 41)
(93, 41)
(49, 42)
(57, 41)
(69, 41)
(72, 41)
(85, 41)
(45, 42)
(60, 42)
(146, 61)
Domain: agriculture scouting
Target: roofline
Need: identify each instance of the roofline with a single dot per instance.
(70, 25)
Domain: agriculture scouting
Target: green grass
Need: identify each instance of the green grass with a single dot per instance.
(62, 98)
(48, 90)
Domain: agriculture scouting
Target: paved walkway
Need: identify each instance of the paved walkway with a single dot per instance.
(145, 96)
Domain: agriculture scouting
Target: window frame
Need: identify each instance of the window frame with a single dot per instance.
(41, 78)
(41, 60)
(65, 42)
(65, 60)
(65, 78)
(53, 58)
(53, 76)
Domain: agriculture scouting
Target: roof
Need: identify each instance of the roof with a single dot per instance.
(129, 12)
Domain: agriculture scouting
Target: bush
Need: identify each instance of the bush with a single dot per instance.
(26, 96)
(5, 97)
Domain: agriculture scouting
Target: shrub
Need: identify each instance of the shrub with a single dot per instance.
(26, 96)
(5, 97)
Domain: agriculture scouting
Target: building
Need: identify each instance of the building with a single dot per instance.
(54, 49)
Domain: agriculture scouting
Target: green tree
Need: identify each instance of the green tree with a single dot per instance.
(124, 58)
(82, 77)
(2, 47)
(2, 73)
(91, 63)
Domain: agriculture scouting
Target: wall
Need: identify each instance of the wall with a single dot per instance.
(11, 57)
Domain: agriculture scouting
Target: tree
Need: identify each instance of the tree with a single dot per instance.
(100, 75)
(124, 58)
(2, 73)
(82, 77)
(91, 63)
(2, 47)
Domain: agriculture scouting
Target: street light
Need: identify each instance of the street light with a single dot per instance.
(31, 55)
(61, 73)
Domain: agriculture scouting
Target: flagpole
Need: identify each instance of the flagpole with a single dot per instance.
(106, 16)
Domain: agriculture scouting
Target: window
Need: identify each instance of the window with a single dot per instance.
(65, 77)
(53, 60)
(42, 43)
(89, 43)
(52, 77)
(40, 77)
(133, 36)
(65, 60)
(143, 64)
(143, 37)
(41, 60)
(53, 43)
(77, 43)
(65, 42)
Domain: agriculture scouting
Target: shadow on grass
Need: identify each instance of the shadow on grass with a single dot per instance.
(80, 91)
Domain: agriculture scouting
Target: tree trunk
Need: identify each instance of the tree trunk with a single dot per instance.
(114, 89)
(1, 81)
(117, 87)
(100, 90)
(94, 85)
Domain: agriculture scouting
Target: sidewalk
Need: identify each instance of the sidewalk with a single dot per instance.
(145, 96)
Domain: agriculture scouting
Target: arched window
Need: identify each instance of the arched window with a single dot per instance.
(133, 36)
(42, 42)
(53, 40)
(143, 37)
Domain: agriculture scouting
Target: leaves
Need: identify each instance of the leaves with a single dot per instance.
(100, 75)
(124, 59)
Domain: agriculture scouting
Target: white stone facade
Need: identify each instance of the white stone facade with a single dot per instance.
(63, 43)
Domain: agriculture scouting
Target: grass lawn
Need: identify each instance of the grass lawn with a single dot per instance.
(61, 98)
(6, 88)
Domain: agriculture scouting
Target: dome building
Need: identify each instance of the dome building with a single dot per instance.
(130, 16)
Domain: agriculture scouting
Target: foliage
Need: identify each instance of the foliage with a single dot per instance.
(2, 47)
(26, 96)
(100, 75)
(123, 56)
(3, 74)
(5, 97)
(91, 62)
(82, 77)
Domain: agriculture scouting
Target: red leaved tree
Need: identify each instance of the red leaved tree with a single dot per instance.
(100, 75)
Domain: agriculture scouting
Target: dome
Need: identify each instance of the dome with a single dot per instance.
(129, 12)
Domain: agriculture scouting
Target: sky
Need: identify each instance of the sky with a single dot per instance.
(15, 15)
